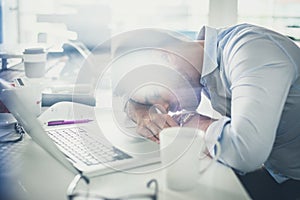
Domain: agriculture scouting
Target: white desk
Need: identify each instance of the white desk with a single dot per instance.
(40, 176)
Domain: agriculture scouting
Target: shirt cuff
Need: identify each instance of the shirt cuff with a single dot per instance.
(214, 134)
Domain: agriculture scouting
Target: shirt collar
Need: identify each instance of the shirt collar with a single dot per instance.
(210, 49)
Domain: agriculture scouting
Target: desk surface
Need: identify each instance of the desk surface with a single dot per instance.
(40, 176)
(34, 174)
(37, 175)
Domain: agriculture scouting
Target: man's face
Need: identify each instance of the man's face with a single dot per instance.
(168, 75)
(179, 87)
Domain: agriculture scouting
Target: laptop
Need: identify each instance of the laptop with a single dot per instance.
(95, 147)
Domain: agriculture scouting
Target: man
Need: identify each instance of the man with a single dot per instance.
(251, 77)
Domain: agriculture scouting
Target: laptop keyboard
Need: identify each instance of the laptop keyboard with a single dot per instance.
(77, 144)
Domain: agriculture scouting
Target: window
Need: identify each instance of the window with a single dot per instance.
(281, 15)
(93, 21)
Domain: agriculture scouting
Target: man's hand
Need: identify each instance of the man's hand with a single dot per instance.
(150, 120)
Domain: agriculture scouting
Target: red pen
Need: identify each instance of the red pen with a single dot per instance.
(65, 122)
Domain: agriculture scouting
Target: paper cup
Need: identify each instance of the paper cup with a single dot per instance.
(34, 62)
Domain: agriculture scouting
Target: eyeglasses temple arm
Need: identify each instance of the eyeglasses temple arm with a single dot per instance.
(75, 181)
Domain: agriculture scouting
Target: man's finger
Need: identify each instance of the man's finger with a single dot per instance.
(155, 130)
(159, 120)
(145, 132)
(150, 126)
(159, 109)
(170, 121)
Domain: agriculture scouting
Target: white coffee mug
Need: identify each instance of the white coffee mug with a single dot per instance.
(35, 62)
(184, 156)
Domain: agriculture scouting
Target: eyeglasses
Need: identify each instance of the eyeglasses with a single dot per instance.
(85, 195)
(14, 135)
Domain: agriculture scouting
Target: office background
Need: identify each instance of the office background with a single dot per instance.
(93, 21)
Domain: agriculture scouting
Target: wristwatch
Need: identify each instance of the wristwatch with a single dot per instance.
(186, 117)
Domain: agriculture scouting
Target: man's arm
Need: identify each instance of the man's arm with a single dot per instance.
(260, 81)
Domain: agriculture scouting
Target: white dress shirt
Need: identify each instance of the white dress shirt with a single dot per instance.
(251, 76)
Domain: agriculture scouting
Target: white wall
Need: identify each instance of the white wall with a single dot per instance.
(10, 21)
(222, 12)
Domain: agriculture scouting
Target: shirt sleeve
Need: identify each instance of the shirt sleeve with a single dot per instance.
(260, 74)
